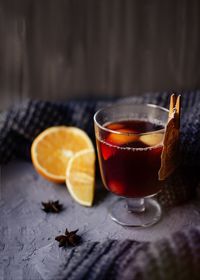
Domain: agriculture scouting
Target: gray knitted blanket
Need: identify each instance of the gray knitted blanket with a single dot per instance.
(175, 257)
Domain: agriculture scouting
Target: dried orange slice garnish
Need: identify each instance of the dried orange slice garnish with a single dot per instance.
(170, 157)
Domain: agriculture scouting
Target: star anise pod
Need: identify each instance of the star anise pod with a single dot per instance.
(70, 238)
(52, 206)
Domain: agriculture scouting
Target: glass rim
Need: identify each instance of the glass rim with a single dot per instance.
(129, 133)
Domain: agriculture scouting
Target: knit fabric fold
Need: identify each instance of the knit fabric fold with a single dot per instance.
(176, 257)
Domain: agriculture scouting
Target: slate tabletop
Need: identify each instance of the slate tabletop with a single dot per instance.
(26, 230)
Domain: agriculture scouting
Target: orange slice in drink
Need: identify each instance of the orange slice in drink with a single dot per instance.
(54, 147)
(152, 139)
(121, 139)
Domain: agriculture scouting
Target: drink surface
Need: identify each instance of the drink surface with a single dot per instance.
(130, 157)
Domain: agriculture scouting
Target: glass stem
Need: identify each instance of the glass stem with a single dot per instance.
(135, 205)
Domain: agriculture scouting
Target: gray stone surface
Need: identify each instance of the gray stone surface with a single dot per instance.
(25, 229)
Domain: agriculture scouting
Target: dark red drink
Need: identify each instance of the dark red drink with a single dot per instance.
(130, 157)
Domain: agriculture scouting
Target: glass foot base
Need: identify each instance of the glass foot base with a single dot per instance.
(151, 215)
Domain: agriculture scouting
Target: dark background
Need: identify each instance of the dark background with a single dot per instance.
(56, 49)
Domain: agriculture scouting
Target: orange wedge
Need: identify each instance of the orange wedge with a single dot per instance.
(152, 139)
(121, 139)
(54, 147)
(80, 177)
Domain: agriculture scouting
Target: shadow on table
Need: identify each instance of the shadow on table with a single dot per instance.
(100, 193)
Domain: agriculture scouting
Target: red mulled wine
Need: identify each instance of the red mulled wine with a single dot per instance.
(130, 157)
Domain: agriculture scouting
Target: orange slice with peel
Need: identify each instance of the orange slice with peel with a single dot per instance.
(152, 139)
(121, 139)
(80, 177)
(53, 148)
